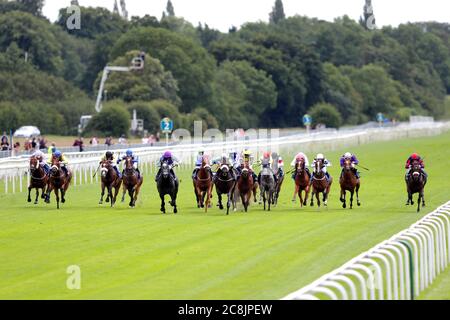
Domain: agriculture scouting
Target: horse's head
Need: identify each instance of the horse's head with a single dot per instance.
(105, 166)
(347, 164)
(55, 166)
(34, 164)
(245, 172)
(165, 170)
(129, 165)
(224, 169)
(318, 166)
(300, 165)
(416, 170)
(205, 162)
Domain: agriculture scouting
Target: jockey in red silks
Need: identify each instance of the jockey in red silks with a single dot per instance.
(412, 158)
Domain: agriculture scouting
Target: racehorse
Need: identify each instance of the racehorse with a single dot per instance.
(166, 184)
(267, 186)
(110, 180)
(225, 184)
(58, 181)
(245, 187)
(320, 184)
(416, 184)
(38, 179)
(203, 185)
(349, 182)
(302, 183)
(131, 182)
(278, 190)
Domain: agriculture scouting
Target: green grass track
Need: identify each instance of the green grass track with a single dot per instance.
(142, 254)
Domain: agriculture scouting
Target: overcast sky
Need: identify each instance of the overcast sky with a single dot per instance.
(221, 14)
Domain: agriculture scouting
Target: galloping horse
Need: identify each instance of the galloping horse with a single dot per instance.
(245, 186)
(349, 182)
(416, 184)
(203, 185)
(58, 181)
(225, 184)
(267, 186)
(131, 182)
(38, 179)
(166, 184)
(278, 189)
(110, 180)
(320, 184)
(302, 183)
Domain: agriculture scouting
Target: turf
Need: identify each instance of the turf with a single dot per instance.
(141, 254)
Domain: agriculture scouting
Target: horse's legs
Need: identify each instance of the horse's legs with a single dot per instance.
(49, 191)
(307, 191)
(419, 199)
(29, 194)
(131, 194)
(63, 194)
(102, 194)
(270, 198)
(174, 202)
(318, 198)
(116, 192)
(343, 200)
(163, 205)
(124, 192)
(312, 197)
(357, 194)
(300, 192)
(219, 197)
(57, 197)
(229, 196)
(423, 197)
(351, 199)
(37, 196)
(110, 195)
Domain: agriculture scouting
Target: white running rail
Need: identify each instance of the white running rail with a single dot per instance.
(397, 269)
(14, 172)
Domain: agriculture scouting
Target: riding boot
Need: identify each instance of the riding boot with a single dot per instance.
(157, 175)
(118, 172)
(139, 174)
(328, 177)
(275, 178)
(255, 178)
(194, 174)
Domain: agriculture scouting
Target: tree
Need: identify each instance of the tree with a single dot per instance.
(151, 83)
(146, 111)
(113, 120)
(277, 13)
(33, 6)
(188, 61)
(170, 9)
(324, 113)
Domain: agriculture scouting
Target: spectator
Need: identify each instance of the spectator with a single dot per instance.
(152, 140)
(16, 149)
(158, 136)
(79, 143)
(122, 139)
(94, 142)
(145, 140)
(33, 143)
(42, 143)
(4, 142)
(27, 145)
(108, 141)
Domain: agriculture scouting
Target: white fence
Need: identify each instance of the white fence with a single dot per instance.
(397, 269)
(14, 172)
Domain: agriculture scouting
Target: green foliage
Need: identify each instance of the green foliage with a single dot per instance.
(277, 13)
(146, 111)
(189, 63)
(324, 113)
(170, 9)
(151, 83)
(11, 117)
(113, 120)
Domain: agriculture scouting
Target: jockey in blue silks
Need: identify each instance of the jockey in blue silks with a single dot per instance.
(134, 159)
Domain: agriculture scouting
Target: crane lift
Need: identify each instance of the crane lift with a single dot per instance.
(137, 64)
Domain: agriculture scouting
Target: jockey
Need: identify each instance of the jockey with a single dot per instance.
(326, 164)
(299, 157)
(40, 156)
(247, 158)
(234, 158)
(135, 160)
(110, 156)
(278, 165)
(266, 162)
(198, 163)
(354, 162)
(409, 163)
(224, 160)
(59, 156)
(171, 160)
